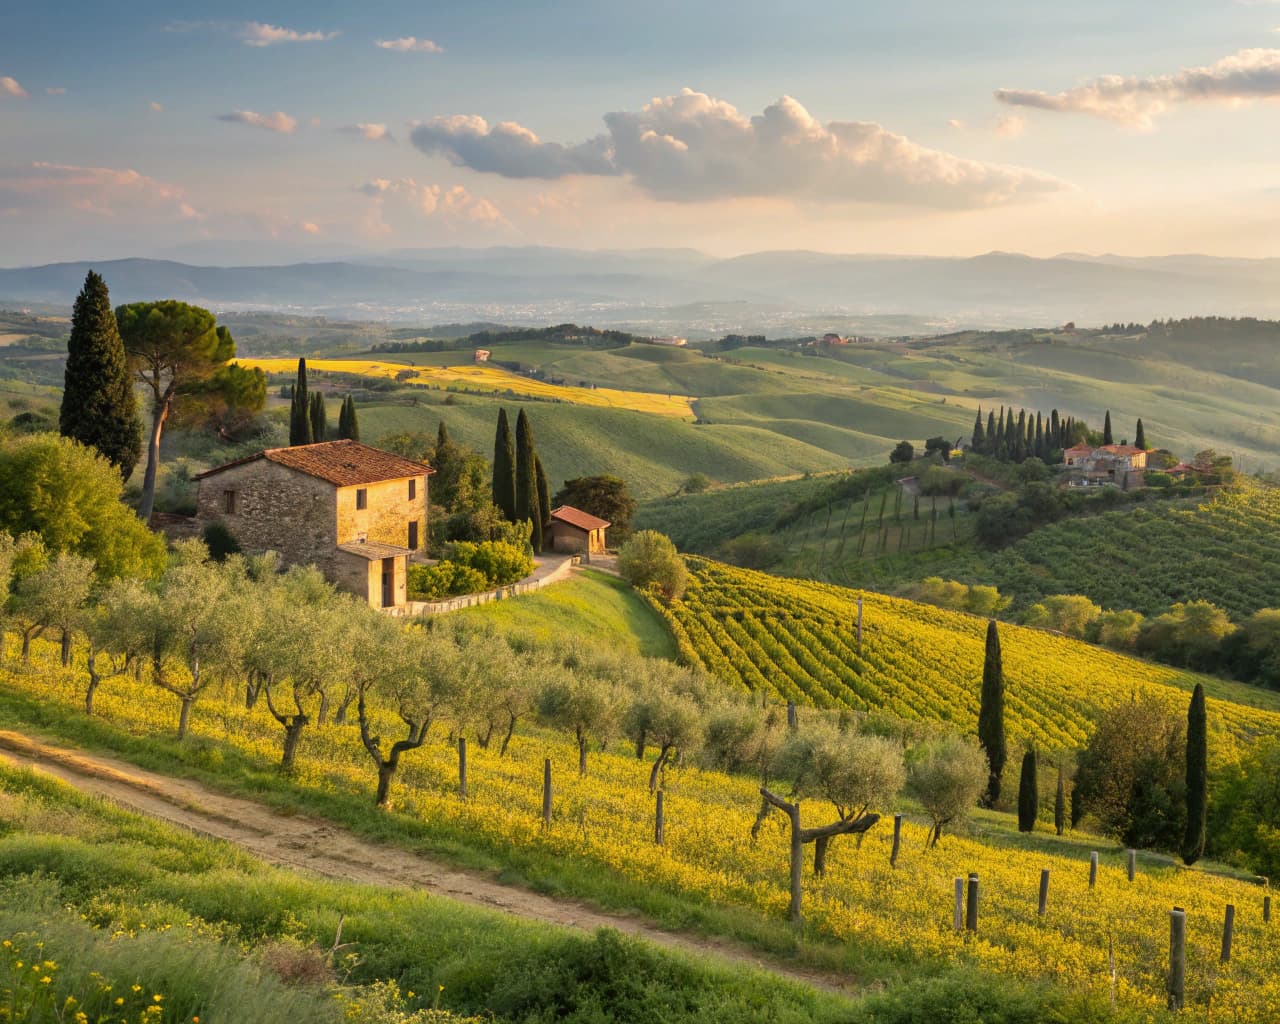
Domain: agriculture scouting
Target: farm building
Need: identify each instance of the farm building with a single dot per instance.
(1123, 465)
(482, 355)
(573, 531)
(356, 512)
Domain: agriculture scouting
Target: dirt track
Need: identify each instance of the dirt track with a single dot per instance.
(326, 849)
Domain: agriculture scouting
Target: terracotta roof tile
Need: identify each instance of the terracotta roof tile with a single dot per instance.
(576, 517)
(1123, 449)
(343, 463)
(374, 551)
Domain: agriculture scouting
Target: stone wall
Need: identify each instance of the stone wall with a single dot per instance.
(386, 517)
(275, 509)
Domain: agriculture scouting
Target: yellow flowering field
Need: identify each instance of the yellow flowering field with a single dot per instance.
(486, 379)
(796, 640)
(605, 821)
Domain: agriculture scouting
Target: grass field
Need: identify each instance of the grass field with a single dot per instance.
(589, 604)
(881, 924)
(487, 380)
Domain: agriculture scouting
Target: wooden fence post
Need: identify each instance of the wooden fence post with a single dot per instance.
(1228, 930)
(897, 840)
(659, 821)
(959, 904)
(1133, 863)
(1093, 869)
(1044, 890)
(1177, 957)
(1266, 909)
(462, 767)
(546, 793)
(792, 720)
(971, 910)
(859, 626)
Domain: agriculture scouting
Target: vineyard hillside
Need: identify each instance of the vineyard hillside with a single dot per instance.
(797, 641)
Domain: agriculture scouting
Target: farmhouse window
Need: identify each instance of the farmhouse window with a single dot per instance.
(413, 536)
(362, 498)
(413, 489)
(229, 502)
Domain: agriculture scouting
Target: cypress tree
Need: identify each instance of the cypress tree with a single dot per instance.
(527, 479)
(991, 713)
(300, 409)
(1028, 794)
(1060, 804)
(1140, 437)
(99, 408)
(346, 419)
(1055, 430)
(544, 492)
(319, 426)
(1197, 778)
(991, 434)
(1038, 448)
(1010, 435)
(979, 434)
(1020, 440)
(442, 436)
(353, 423)
(1106, 429)
(504, 468)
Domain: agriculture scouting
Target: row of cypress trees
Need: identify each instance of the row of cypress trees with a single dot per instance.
(991, 737)
(520, 486)
(308, 419)
(1007, 439)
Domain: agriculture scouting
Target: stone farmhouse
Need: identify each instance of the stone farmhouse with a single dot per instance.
(1120, 465)
(572, 531)
(356, 512)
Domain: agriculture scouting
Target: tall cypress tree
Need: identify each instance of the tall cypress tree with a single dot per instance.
(991, 713)
(1010, 435)
(1028, 794)
(991, 434)
(1060, 804)
(99, 408)
(1197, 777)
(504, 468)
(1020, 439)
(318, 417)
(353, 423)
(527, 479)
(1106, 429)
(1140, 437)
(1038, 448)
(300, 409)
(1055, 430)
(979, 433)
(544, 492)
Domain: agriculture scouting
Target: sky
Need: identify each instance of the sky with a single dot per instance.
(321, 129)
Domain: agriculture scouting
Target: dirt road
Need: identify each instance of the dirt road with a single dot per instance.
(326, 849)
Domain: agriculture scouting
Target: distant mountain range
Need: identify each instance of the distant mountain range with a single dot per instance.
(685, 290)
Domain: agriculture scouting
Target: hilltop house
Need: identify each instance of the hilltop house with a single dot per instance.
(573, 531)
(1123, 465)
(356, 512)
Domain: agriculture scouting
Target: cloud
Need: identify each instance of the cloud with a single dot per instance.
(55, 90)
(310, 227)
(10, 87)
(693, 147)
(955, 122)
(1235, 80)
(371, 132)
(100, 191)
(255, 33)
(433, 200)
(157, 107)
(277, 122)
(407, 44)
(1010, 126)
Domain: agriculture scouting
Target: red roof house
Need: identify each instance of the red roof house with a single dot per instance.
(572, 530)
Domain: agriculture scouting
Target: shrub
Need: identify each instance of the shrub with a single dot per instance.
(947, 777)
(649, 561)
(220, 542)
(499, 562)
(444, 579)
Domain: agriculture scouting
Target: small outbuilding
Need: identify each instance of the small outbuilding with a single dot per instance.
(573, 531)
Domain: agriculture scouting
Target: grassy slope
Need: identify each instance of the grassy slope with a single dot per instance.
(590, 604)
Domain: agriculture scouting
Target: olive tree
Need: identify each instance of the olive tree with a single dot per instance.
(580, 702)
(116, 633)
(851, 772)
(54, 597)
(668, 720)
(947, 776)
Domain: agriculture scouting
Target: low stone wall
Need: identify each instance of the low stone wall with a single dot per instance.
(525, 586)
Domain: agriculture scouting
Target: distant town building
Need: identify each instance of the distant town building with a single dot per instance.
(673, 340)
(834, 339)
(482, 355)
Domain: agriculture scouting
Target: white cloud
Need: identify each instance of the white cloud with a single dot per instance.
(433, 200)
(277, 122)
(157, 107)
(1235, 80)
(255, 33)
(371, 132)
(55, 90)
(409, 44)
(10, 87)
(692, 147)
(100, 191)
(1010, 126)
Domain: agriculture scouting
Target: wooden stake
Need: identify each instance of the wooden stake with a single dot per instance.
(1133, 863)
(859, 625)
(959, 904)
(792, 719)
(659, 822)
(462, 767)
(1228, 930)
(1266, 909)
(1044, 890)
(897, 840)
(1177, 957)
(971, 910)
(1093, 869)
(546, 793)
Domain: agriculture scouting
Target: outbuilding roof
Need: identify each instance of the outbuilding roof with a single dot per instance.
(374, 551)
(343, 463)
(576, 517)
(1122, 449)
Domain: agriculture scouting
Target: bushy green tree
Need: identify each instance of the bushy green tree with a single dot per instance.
(603, 496)
(650, 560)
(903, 453)
(99, 408)
(1072, 614)
(947, 776)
